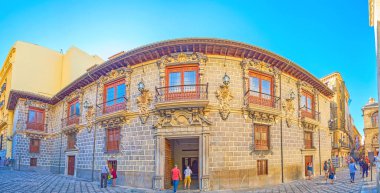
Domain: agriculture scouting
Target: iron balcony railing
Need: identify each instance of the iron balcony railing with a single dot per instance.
(35, 126)
(112, 105)
(182, 92)
(262, 99)
(71, 120)
(309, 113)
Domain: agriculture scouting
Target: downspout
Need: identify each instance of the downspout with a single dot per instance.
(60, 146)
(319, 141)
(282, 150)
(93, 147)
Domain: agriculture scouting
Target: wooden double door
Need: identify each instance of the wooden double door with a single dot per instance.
(71, 165)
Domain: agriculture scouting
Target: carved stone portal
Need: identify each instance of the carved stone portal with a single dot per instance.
(224, 95)
(181, 117)
(143, 103)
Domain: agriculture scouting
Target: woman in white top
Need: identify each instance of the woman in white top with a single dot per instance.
(187, 178)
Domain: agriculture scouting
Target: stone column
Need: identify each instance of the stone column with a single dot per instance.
(158, 181)
(204, 152)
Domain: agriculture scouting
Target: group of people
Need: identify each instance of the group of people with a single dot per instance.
(107, 175)
(176, 177)
(329, 170)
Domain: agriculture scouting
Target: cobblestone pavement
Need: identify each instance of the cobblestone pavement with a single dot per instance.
(28, 182)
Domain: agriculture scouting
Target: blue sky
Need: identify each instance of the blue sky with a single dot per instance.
(322, 36)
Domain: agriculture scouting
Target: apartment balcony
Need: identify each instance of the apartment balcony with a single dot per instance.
(71, 123)
(109, 110)
(262, 102)
(35, 126)
(182, 96)
(309, 118)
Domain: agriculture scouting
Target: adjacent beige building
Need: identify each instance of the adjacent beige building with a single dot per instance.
(371, 124)
(33, 68)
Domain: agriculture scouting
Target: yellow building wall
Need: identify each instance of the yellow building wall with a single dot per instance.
(75, 63)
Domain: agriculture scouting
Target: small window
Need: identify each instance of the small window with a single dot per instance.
(261, 137)
(375, 119)
(113, 139)
(308, 140)
(262, 167)
(34, 146)
(71, 141)
(33, 162)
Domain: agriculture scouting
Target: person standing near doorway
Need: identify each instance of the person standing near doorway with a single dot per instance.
(176, 177)
(104, 176)
(187, 179)
(309, 170)
(114, 176)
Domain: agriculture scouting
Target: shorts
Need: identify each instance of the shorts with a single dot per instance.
(187, 179)
(326, 172)
(310, 173)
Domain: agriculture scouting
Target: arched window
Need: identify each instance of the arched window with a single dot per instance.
(375, 119)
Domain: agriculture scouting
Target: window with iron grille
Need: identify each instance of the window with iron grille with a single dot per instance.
(36, 119)
(33, 161)
(71, 141)
(261, 89)
(307, 104)
(113, 139)
(34, 146)
(262, 167)
(261, 137)
(308, 136)
(114, 96)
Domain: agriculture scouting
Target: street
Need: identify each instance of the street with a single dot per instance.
(26, 182)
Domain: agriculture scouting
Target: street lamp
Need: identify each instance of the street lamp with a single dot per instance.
(141, 86)
(86, 104)
(226, 79)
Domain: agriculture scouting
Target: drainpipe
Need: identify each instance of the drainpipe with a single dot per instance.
(319, 141)
(93, 147)
(282, 149)
(60, 146)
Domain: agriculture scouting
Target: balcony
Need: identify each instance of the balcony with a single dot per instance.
(262, 102)
(35, 126)
(112, 106)
(182, 96)
(71, 123)
(309, 118)
(112, 110)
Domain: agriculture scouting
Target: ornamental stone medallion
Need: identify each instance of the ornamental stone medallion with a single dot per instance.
(224, 95)
(143, 103)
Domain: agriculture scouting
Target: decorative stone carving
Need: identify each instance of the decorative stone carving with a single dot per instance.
(205, 183)
(89, 116)
(113, 122)
(182, 117)
(289, 109)
(181, 58)
(143, 103)
(224, 95)
(263, 118)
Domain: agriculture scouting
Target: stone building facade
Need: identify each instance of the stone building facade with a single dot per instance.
(371, 125)
(238, 115)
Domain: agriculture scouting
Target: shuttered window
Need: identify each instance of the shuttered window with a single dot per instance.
(308, 140)
(113, 139)
(33, 161)
(36, 119)
(34, 146)
(262, 167)
(261, 137)
(71, 141)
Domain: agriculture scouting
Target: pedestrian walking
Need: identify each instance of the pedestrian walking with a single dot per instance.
(361, 165)
(352, 168)
(176, 177)
(326, 170)
(114, 176)
(365, 169)
(104, 176)
(332, 174)
(187, 179)
(310, 170)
